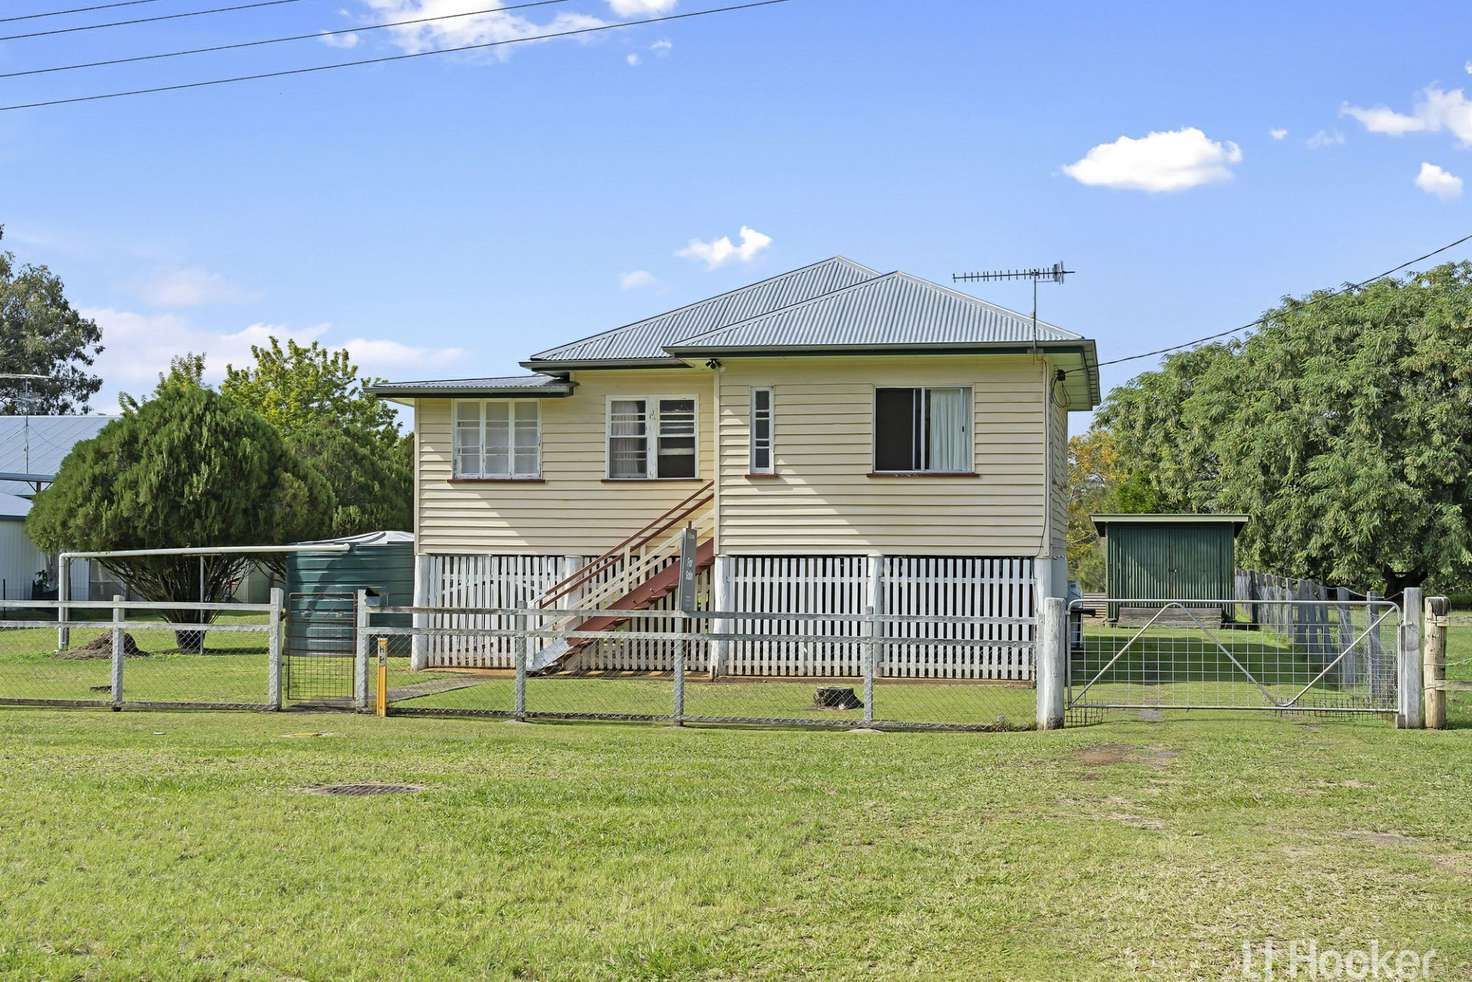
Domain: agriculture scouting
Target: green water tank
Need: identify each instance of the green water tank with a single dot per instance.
(321, 587)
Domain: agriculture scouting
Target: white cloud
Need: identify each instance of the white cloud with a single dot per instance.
(1168, 161)
(340, 40)
(1278, 133)
(1469, 68)
(662, 46)
(632, 59)
(641, 8)
(722, 251)
(138, 347)
(189, 287)
(1324, 139)
(460, 31)
(637, 279)
(1435, 110)
(1444, 184)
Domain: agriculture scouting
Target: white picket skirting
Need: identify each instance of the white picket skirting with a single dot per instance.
(979, 587)
(484, 581)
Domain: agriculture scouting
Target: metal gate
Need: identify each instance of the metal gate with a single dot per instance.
(1280, 656)
(320, 645)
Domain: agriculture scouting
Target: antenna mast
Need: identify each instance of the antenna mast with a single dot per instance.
(1038, 274)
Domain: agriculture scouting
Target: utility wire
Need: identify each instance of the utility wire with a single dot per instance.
(147, 20)
(279, 40)
(1347, 288)
(388, 58)
(76, 10)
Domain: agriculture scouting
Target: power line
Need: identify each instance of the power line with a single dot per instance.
(388, 58)
(147, 20)
(278, 40)
(76, 10)
(1347, 288)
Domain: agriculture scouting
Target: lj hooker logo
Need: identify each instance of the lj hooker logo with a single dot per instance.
(1308, 960)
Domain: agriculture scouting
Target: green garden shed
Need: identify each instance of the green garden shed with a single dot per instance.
(1152, 557)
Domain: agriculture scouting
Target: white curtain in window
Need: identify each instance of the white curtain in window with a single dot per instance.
(950, 432)
(628, 439)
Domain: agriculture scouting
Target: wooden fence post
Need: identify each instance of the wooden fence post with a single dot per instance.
(1410, 687)
(119, 645)
(360, 660)
(273, 648)
(1051, 655)
(1437, 611)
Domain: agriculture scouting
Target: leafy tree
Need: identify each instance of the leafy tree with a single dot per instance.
(1343, 427)
(42, 334)
(186, 467)
(316, 399)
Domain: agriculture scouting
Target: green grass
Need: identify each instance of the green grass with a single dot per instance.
(179, 845)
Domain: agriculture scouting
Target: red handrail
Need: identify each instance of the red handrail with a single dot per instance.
(668, 520)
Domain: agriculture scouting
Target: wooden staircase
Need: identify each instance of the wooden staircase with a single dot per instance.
(632, 576)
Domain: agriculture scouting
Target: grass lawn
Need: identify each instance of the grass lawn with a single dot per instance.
(179, 845)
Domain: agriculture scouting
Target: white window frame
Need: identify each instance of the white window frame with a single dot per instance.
(771, 467)
(970, 394)
(514, 409)
(651, 435)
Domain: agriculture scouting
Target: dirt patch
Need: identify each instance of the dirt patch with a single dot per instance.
(101, 647)
(1105, 754)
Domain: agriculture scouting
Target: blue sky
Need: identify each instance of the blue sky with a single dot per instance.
(447, 216)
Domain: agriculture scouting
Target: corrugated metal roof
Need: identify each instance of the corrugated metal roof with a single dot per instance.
(647, 339)
(38, 444)
(894, 310)
(507, 384)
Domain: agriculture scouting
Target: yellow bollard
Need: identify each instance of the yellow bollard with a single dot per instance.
(381, 703)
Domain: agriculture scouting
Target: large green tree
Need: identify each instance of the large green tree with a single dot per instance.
(42, 334)
(318, 402)
(186, 467)
(1343, 427)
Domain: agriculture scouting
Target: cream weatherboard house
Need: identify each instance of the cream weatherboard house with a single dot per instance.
(839, 438)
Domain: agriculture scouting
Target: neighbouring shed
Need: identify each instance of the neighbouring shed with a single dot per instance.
(1153, 557)
(20, 559)
(321, 587)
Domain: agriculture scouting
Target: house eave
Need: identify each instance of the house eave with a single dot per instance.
(602, 364)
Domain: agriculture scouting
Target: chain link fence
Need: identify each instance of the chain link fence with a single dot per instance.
(974, 676)
(125, 655)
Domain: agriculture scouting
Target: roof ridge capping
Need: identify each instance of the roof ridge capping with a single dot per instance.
(899, 275)
(542, 355)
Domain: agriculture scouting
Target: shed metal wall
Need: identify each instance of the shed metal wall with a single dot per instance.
(320, 587)
(1164, 561)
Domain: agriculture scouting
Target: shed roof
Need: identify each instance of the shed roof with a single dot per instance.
(645, 340)
(36, 445)
(1103, 521)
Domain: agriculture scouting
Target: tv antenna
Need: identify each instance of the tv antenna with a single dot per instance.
(1038, 274)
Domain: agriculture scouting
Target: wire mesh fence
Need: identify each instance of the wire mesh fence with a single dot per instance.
(974, 675)
(127, 655)
(1284, 655)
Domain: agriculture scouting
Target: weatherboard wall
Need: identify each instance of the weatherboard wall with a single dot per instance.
(823, 498)
(572, 509)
